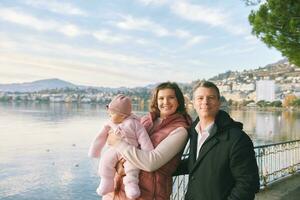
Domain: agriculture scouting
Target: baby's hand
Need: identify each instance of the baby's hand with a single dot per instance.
(113, 139)
(111, 131)
(107, 127)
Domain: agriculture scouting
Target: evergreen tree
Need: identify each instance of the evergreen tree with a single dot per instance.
(277, 24)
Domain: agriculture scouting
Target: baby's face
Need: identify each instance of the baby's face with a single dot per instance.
(116, 117)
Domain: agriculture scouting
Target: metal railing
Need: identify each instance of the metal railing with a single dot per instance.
(275, 161)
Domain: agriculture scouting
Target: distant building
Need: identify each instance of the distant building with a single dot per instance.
(265, 90)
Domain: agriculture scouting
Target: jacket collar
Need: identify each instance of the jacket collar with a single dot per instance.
(223, 122)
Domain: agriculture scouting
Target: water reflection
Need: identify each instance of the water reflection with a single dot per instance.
(269, 127)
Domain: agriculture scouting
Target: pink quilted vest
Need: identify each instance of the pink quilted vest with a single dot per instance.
(158, 185)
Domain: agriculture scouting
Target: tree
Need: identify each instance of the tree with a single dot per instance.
(277, 24)
(276, 104)
(262, 103)
(288, 100)
(296, 103)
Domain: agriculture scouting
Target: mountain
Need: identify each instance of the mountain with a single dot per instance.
(48, 84)
(36, 86)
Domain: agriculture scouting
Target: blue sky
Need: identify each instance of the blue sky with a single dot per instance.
(126, 42)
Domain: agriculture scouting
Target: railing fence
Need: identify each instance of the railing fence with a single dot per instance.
(275, 161)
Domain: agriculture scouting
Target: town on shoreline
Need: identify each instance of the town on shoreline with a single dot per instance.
(273, 87)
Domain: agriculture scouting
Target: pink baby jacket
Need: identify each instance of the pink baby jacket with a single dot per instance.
(131, 130)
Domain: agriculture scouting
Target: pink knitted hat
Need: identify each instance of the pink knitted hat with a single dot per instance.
(120, 104)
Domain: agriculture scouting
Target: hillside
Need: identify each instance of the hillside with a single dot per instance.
(36, 86)
(272, 71)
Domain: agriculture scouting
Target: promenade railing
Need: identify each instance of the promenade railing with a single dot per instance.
(275, 161)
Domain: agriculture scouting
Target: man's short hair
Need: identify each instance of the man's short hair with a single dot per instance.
(207, 84)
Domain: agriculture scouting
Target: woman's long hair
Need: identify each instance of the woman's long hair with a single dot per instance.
(178, 93)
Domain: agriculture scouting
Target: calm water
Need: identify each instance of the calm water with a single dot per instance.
(43, 147)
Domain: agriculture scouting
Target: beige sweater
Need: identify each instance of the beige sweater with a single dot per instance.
(154, 159)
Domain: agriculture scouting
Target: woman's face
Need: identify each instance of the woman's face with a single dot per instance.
(167, 102)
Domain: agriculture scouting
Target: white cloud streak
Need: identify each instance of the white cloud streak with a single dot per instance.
(146, 25)
(154, 2)
(211, 16)
(17, 17)
(105, 36)
(131, 23)
(24, 19)
(195, 40)
(109, 37)
(57, 7)
(214, 17)
(68, 29)
(92, 66)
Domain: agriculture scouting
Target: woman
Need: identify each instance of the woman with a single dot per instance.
(167, 125)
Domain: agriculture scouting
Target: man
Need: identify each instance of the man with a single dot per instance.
(221, 163)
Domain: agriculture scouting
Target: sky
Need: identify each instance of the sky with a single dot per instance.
(130, 43)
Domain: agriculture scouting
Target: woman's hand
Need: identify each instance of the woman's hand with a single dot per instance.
(120, 173)
(113, 139)
(120, 167)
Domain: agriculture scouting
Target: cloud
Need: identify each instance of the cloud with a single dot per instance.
(211, 16)
(17, 17)
(24, 19)
(203, 14)
(235, 51)
(214, 17)
(228, 49)
(182, 33)
(214, 50)
(90, 66)
(70, 30)
(154, 2)
(105, 35)
(109, 37)
(57, 7)
(146, 25)
(75, 69)
(56, 50)
(252, 39)
(196, 62)
(6, 43)
(131, 23)
(195, 40)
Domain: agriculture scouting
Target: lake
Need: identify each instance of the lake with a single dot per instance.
(43, 147)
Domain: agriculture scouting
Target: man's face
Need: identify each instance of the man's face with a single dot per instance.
(206, 102)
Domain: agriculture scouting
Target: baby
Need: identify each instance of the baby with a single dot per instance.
(129, 127)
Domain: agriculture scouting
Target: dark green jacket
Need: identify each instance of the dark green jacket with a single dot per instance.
(226, 167)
